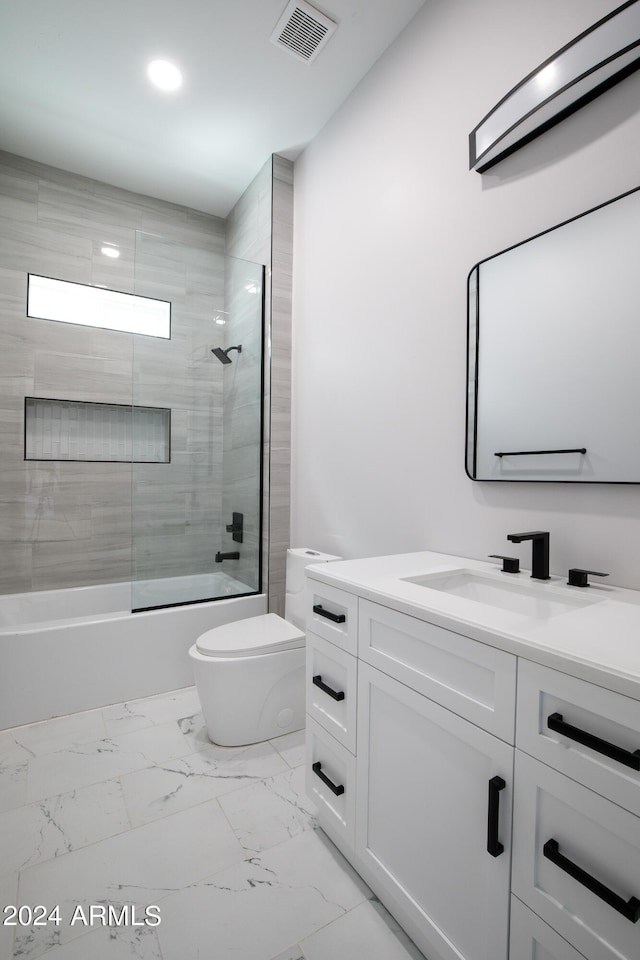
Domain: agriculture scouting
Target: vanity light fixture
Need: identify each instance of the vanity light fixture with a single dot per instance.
(597, 59)
(164, 75)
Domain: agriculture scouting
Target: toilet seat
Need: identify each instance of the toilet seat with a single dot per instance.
(254, 636)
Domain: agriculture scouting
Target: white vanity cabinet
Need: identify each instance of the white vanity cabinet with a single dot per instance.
(490, 776)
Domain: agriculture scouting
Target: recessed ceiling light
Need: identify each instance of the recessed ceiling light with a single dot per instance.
(110, 251)
(164, 75)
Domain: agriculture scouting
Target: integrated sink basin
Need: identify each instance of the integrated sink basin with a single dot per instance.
(540, 600)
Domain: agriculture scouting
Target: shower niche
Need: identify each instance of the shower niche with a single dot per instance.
(99, 432)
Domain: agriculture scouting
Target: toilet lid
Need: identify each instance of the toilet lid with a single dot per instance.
(267, 633)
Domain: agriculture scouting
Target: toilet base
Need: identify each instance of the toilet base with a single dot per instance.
(250, 699)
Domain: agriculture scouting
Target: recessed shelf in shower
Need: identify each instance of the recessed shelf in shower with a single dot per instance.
(110, 432)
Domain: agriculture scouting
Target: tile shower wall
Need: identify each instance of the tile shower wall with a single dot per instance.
(260, 229)
(68, 524)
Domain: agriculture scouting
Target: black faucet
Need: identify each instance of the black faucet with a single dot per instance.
(234, 555)
(540, 552)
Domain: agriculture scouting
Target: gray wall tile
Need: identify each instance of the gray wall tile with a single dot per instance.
(67, 524)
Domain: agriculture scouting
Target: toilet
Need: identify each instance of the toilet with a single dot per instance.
(250, 674)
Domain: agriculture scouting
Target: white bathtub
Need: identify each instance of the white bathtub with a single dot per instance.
(62, 651)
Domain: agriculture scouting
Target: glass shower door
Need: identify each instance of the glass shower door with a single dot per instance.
(196, 515)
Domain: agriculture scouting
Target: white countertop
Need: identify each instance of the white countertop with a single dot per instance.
(598, 642)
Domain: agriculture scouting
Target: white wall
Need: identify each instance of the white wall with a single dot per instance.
(388, 222)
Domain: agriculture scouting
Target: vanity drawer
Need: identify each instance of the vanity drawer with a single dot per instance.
(576, 861)
(333, 614)
(472, 679)
(332, 681)
(589, 733)
(533, 939)
(328, 760)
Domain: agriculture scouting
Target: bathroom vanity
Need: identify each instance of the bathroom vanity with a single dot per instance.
(473, 748)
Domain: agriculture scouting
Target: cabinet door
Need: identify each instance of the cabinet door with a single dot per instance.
(423, 819)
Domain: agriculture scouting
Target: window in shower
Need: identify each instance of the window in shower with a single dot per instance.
(185, 547)
(65, 302)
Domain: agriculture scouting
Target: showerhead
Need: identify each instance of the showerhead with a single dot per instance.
(223, 355)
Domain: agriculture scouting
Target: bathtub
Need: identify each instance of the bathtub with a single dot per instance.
(63, 651)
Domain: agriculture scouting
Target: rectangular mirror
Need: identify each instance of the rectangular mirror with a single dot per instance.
(553, 391)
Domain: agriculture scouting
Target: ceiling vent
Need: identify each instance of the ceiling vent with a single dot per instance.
(303, 30)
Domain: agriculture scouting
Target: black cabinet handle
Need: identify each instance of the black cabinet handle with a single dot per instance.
(335, 617)
(338, 789)
(335, 694)
(628, 908)
(629, 759)
(494, 847)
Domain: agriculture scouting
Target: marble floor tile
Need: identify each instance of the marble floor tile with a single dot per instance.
(143, 866)
(11, 751)
(177, 784)
(258, 908)
(86, 763)
(193, 728)
(291, 747)
(270, 811)
(132, 805)
(13, 785)
(50, 828)
(49, 736)
(136, 714)
(105, 943)
(293, 953)
(367, 931)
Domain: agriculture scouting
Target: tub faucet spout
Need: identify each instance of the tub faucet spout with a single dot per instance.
(234, 555)
(540, 551)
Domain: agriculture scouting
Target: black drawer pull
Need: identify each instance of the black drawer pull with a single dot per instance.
(494, 847)
(335, 694)
(338, 789)
(628, 908)
(334, 617)
(629, 759)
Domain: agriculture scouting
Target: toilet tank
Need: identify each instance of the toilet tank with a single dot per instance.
(297, 560)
